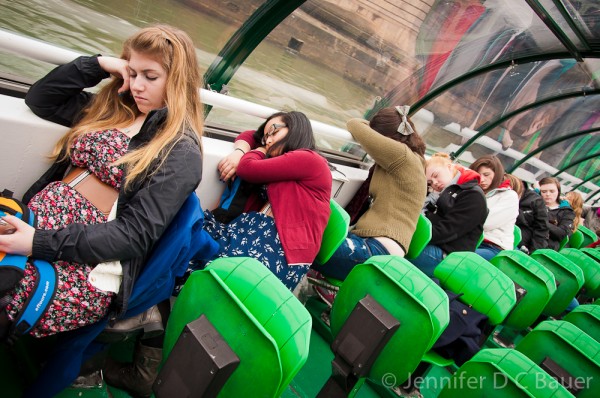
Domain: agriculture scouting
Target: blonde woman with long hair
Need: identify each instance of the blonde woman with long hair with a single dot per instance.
(137, 144)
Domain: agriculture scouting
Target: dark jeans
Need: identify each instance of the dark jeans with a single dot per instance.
(487, 251)
(429, 258)
(353, 251)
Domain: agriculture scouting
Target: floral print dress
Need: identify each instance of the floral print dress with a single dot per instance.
(76, 303)
(255, 235)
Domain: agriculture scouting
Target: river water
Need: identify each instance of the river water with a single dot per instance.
(271, 75)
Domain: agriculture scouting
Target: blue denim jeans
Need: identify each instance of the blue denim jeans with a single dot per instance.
(487, 251)
(354, 250)
(429, 258)
(572, 305)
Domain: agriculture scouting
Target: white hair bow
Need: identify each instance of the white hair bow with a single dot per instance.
(404, 128)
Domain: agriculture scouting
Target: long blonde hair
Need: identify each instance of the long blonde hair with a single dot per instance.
(174, 50)
(576, 202)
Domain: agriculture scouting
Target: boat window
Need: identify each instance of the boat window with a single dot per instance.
(91, 27)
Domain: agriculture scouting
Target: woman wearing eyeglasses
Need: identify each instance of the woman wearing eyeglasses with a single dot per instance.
(294, 187)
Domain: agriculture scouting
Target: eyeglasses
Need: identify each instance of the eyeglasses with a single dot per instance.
(275, 128)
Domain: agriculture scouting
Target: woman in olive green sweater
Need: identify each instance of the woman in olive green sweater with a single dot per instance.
(396, 192)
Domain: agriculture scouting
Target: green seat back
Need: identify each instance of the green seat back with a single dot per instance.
(569, 279)
(517, 236)
(536, 279)
(410, 296)
(261, 320)
(576, 239)
(595, 255)
(479, 241)
(499, 373)
(563, 243)
(590, 268)
(335, 232)
(483, 286)
(420, 238)
(587, 318)
(569, 347)
(589, 236)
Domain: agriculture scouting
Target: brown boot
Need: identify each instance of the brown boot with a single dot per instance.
(136, 378)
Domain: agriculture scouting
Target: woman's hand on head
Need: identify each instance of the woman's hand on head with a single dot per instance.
(227, 167)
(19, 242)
(117, 67)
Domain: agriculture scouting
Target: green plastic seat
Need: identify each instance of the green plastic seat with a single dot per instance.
(590, 268)
(517, 236)
(410, 296)
(569, 347)
(576, 240)
(483, 286)
(536, 279)
(335, 232)
(595, 255)
(499, 373)
(420, 238)
(569, 279)
(587, 318)
(260, 319)
(563, 243)
(589, 236)
(479, 241)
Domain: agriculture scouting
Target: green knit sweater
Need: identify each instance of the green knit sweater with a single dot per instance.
(398, 186)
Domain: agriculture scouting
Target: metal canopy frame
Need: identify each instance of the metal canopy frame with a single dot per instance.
(576, 162)
(271, 13)
(490, 125)
(586, 180)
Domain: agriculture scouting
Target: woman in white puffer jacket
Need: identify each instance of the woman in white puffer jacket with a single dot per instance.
(503, 207)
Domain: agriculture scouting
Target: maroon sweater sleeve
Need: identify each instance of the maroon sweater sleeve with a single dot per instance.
(248, 136)
(301, 164)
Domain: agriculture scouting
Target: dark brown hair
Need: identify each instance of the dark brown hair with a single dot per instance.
(491, 162)
(386, 123)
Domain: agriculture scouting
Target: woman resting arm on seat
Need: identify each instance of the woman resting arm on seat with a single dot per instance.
(296, 183)
(457, 216)
(396, 191)
(139, 136)
(503, 206)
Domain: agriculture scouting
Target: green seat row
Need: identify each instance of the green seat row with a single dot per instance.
(569, 279)
(587, 318)
(561, 343)
(261, 320)
(499, 373)
(410, 296)
(536, 282)
(590, 268)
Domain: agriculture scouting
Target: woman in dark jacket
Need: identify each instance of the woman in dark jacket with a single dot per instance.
(457, 216)
(533, 221)
(560, 214)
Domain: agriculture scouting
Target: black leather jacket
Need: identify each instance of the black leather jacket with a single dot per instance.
(143, 211)
(457, 218)
(533, 221)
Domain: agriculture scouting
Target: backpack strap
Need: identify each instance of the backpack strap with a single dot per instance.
(38, 300)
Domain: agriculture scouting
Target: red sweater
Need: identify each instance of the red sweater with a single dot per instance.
(299, 188)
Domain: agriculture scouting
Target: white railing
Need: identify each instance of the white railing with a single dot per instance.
(36, 49)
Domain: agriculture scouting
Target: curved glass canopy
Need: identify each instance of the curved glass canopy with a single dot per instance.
(517, 78)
